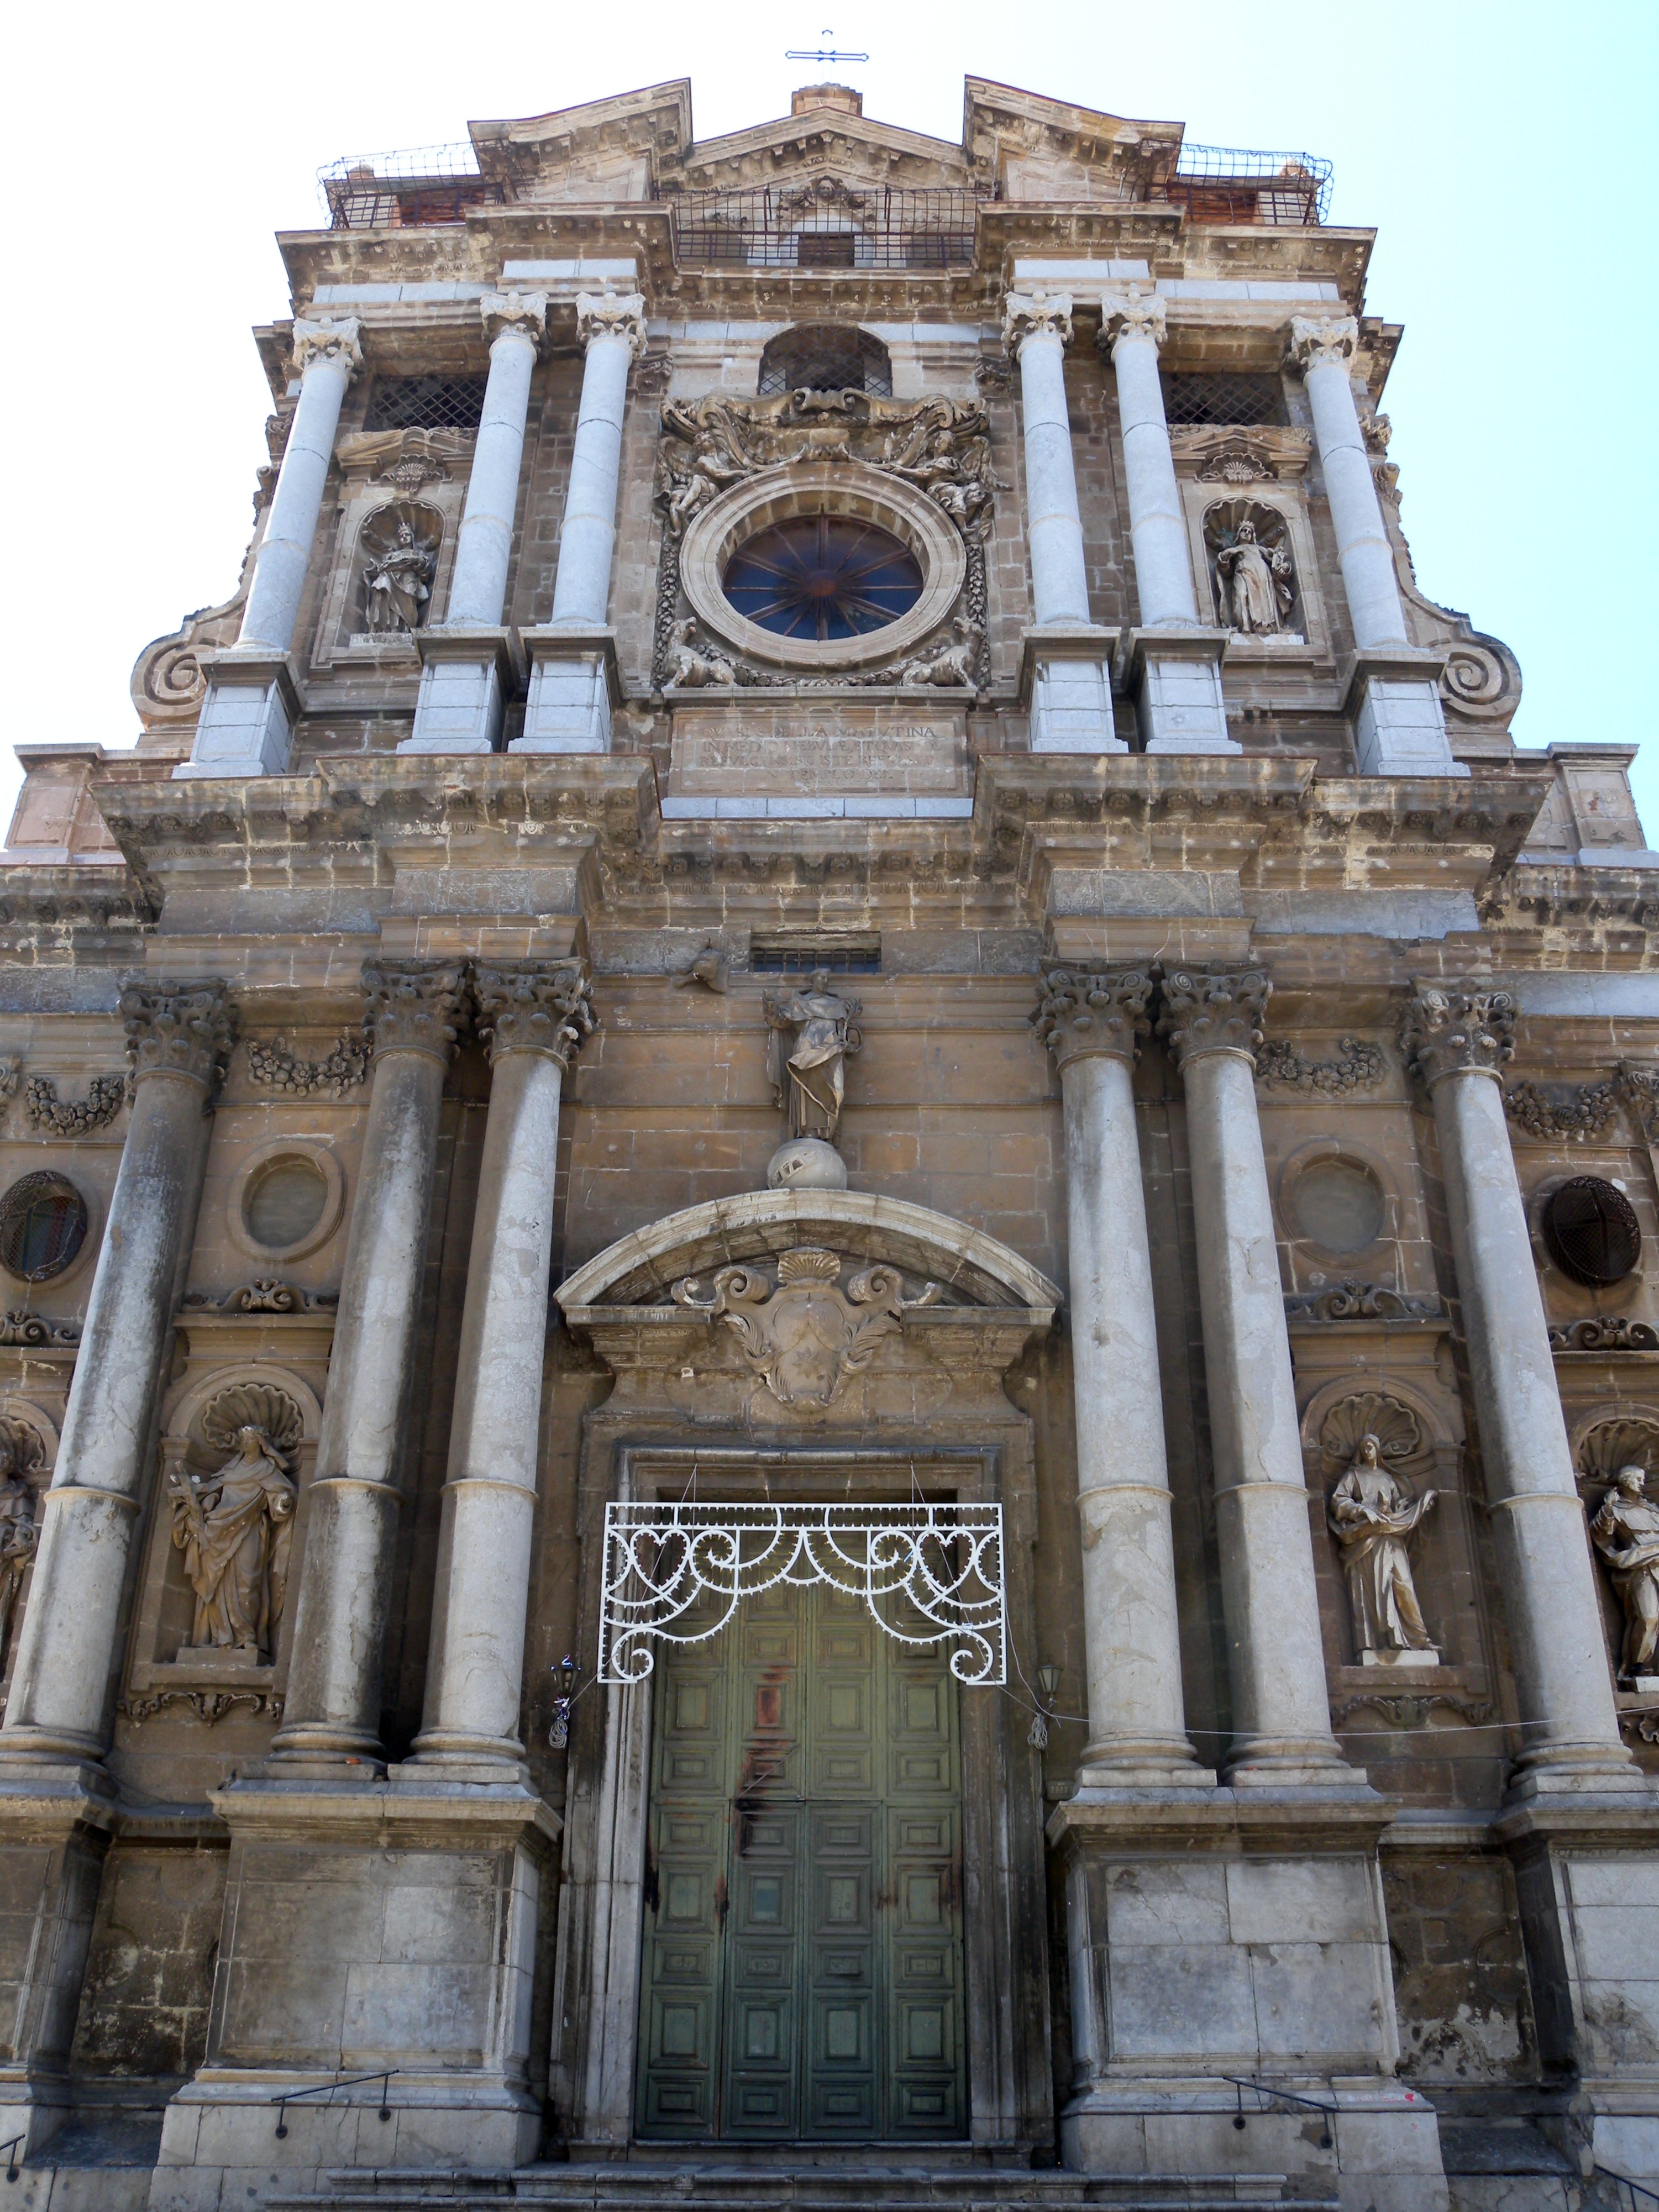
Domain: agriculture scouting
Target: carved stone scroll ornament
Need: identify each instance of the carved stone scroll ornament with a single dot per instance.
(265, 1295)
(928, 1575)
(1572, 1114)
(1356, 1301)
(74, 1117)
(1448, 1031)
(1625, 1532)
(1639, 1088)
(414, 1008)
(186, 1028)
(809, 1079)
(273, 1066)
(34, 1331)
(208, 1705)
(1083, 1010)
(1606, 1332)
(1280, 1066)
(21, 1454)
(1215, 1010)
(1373, 1515)
(235, 1526)
(537, 1007)
(803, 1335)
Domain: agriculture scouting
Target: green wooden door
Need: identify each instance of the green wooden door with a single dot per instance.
(802, 1973)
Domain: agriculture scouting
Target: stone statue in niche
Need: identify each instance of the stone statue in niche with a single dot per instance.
(1373, 1516)
(19, 1528)
(398, 585)
(1254, 582)
(1626, 1530)
(235, 1526)
(810, 1077)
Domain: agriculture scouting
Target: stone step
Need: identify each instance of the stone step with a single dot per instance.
(652, 2187)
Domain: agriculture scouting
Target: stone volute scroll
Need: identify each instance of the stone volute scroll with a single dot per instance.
(546, 1008)
(1457, 1031)
(413, 1007)
(812, 1034)
(185, 1031)
(1373, 1515)
(234, 1524)
(1213, 1009)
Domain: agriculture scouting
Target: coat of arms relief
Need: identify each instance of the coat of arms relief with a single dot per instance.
(803, 1335)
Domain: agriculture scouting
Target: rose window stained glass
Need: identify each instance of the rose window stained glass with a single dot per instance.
(823, 577)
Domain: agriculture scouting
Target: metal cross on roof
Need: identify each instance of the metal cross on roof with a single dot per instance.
(826, 52)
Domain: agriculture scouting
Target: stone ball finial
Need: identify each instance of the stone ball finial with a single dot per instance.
(807, 1163)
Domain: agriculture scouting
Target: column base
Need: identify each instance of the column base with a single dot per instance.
(246, 726)
(1175, 677)
(465, 677)
(1065, 684)
(574, 685)
(1392, 697)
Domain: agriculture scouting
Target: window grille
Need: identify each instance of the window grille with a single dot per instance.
(796, 960)
(1224, 400)
(426, 403)
(43, 1224)
(825, 223)
(825, 357)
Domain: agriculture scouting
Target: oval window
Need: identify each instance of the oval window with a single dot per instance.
(1337, 1206)
(284, 1202)
(823, 576)
(1591, 1231)
(43, 1224)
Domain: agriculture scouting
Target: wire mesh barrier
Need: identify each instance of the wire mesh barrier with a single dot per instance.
(426, 403)
(1223, 399)
(1234, 184)
(825, 224)
(413, 188)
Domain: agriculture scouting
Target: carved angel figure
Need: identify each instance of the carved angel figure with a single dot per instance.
(399, 582)
(1372, 1513)
(235, 1529)
(812, 1079)
(1626, 1530)
(692, 664)
(19, 1532)
(952, 663)
(1256, 581)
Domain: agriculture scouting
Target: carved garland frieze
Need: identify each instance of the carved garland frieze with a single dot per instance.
(1572, 1114)
(273, 1066)
(1359, 1066)
(74, 1117)
(941, 447)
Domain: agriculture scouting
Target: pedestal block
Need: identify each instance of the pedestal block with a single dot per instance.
(364, 1929)
(53, 1836)
(1217, 1943)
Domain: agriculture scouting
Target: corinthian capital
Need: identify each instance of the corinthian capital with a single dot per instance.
(1126, 314)
(1317, 340)
(325, 341)
(1035, 314)
(1454, 1031)
(535, 1006)
(525, 311)
(1082, 1012)
(414, 1006)
(179, 1029)
(1212, 1010)
(612, 315)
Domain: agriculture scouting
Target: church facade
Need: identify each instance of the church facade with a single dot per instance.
(828, 1372)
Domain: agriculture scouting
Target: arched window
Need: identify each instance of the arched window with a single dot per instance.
(826, 357)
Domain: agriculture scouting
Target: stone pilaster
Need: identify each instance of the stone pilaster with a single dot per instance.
(1092, 1020)
(1211, 1020)
(332, 1714)
(535, 1018)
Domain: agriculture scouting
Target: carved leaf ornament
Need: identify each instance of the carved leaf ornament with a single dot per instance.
(927, 1574)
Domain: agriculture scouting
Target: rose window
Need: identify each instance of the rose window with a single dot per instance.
(823, 577)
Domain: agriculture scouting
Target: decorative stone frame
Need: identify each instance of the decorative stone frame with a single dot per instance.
(91, 1245)
(1565, 1298)
(849, 488)
(931, 1410)
(1314, 1153)
(1283, 455)
(321, 1156)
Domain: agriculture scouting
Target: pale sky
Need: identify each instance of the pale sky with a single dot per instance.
(1502, 152)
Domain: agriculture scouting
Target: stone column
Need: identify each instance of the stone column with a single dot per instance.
(1394, 690)
(332, 1712)
(178, 1037)
(535, 1018)
(248, 713)
(1071, 681)
(1456, 1040)
(573, 660)
(458, 709)
(1092, 1019)
(1177, 680)
(1276, 1664)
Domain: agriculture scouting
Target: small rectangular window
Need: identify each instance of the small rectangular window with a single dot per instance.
(426, 403)
(803, 959)
(1225, 399)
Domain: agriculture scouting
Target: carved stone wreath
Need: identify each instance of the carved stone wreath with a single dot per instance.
(1279, 1066)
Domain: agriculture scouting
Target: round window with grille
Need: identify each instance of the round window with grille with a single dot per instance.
(1591, 1231)
(43, 1224)
(823, 576)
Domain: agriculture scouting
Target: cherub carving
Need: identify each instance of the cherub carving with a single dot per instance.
(692, 664)
(952, 663)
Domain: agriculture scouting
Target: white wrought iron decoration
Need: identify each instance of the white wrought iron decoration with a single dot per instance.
(943, 1561)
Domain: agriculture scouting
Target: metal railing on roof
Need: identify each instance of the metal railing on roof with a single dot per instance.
(413, 187)
(1239, 183)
